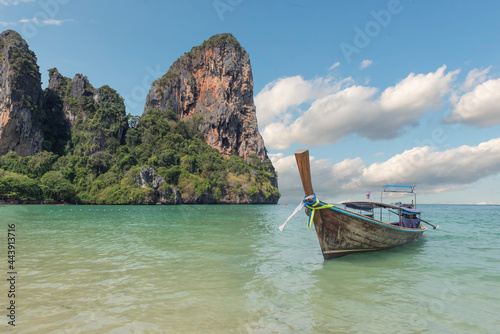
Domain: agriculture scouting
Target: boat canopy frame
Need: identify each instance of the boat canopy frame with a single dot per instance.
(392, 188)
(369, 207)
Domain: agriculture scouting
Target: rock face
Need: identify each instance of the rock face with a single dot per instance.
(214, 82)
(21, 97)
(61, 89)
(163, 194)
(91, 114)
(70, 116)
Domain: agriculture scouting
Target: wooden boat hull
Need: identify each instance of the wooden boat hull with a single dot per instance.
(341, 232)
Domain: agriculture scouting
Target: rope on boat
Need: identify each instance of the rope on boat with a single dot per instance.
(297, 209)
(313, 206)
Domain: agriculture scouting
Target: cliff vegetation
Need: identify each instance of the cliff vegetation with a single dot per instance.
(186, 168)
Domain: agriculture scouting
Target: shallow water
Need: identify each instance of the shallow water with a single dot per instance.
(228, 269)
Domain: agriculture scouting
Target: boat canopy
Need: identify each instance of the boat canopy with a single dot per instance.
(368, 206)
(398, 188)
(410, 210)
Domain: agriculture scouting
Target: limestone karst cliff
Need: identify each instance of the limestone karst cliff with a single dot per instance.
(70, 116)
(214, 81)
(96, 118)
(197, 141)
(21, 97)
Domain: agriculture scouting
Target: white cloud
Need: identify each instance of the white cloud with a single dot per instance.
(365, 63)
(13, 2)
(337, 64)
(474, 77)
(34, 20)
(337, 112)
(423, 165)
(418, 92)
(280, 95)
(479, 107)
(53, 22)
(432, 171)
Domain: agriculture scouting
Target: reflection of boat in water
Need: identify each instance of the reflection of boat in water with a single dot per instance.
(358, 227)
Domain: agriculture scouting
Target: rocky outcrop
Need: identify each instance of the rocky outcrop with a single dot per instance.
(95, 114)
(148, 177)
(60, 89)
(70, 116)
(214, 82)
(163, 193)
(20, 97)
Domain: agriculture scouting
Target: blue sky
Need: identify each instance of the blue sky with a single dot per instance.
(381, 92)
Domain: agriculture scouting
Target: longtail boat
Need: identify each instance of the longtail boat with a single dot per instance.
(357, 227)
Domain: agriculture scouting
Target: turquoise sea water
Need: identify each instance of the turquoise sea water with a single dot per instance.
(228, 269)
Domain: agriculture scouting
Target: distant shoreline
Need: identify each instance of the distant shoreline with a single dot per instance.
(21, 202)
